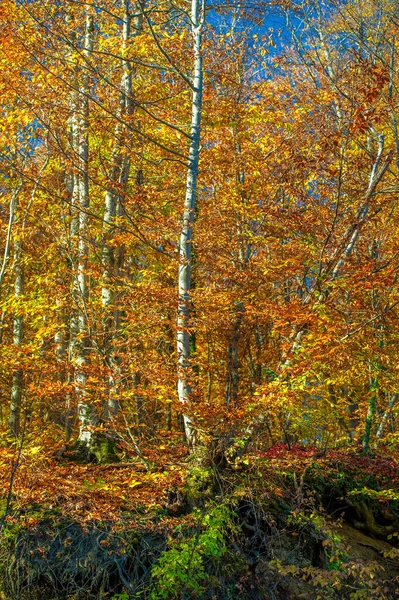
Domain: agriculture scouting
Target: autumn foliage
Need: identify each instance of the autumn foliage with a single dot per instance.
(291, 310)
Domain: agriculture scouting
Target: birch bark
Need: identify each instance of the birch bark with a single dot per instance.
(13, 203)
(16, 389)
(86, 411)
(18, 333)
(386, 416)
(18, 320)
(184, 386)
(119, 176)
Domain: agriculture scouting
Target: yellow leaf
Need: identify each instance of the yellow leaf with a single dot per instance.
(135, 483)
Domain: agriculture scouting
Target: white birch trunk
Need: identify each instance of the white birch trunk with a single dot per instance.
(352, 235)
(119, 176)
(16, 389)
(86, 411)
(18, 332)
(13, 204)
(386, 416)
(73, 186)
(184, 386)
(18, 321)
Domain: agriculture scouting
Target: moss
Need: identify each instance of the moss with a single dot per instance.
(102, 451)
(3, 505)
(200, 486)
(132, 537)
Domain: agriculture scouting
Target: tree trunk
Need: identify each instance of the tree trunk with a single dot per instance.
(18, 327)
(184, 385)
(386, 416)
(18, 321)
(118, 179)
(233, 364)
(370, 414)
(86, 411)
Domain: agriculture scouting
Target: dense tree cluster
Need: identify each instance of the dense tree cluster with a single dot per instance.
(199, 221)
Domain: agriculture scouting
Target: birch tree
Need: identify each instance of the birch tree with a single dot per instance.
(184, 311)
(86, 411)
(18, 333)
(119, 175)
(19, 220)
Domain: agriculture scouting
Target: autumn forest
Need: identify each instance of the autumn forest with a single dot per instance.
(199, 299)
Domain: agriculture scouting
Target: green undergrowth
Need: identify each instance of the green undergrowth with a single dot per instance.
(194, 556)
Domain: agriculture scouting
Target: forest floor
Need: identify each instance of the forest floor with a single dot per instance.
(91, 491)
(280, 524)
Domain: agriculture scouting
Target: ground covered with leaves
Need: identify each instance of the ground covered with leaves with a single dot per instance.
(286, 523)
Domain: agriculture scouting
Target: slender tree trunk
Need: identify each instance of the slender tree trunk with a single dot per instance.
(233, 363)
(244, 253)
(16, 390)
(119, 175)
(86, 411)
(370, 415)
(72, 185)
(386, 416)
(13, 203)
(18, 321)
(61, 347)
(18, 327)
(184, 385)
(353, 424)
(138, 399)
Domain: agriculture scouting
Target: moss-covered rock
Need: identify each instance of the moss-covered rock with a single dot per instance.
(104, 449)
